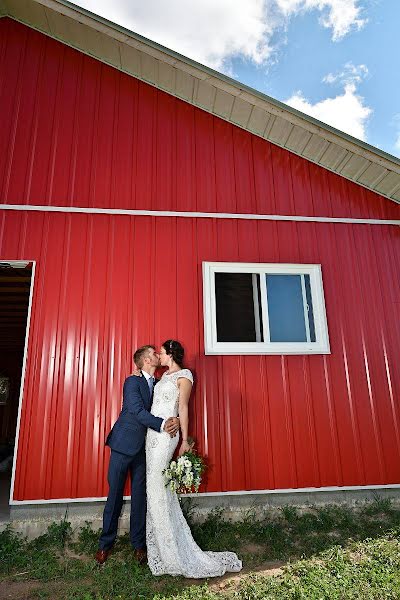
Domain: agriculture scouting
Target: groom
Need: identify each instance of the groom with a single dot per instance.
(127, 443)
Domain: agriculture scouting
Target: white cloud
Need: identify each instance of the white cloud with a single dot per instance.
(214, 31)
(347, 111)
(349, 74)
(208, 31)
(339, 15)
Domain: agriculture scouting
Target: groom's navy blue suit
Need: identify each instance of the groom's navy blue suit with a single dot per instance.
(127, 443)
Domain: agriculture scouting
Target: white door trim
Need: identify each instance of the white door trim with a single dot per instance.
(24, 361)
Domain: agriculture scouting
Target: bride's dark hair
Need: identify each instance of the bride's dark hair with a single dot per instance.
(175, 350)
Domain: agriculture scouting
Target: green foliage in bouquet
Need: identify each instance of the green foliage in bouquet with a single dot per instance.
(184, 474)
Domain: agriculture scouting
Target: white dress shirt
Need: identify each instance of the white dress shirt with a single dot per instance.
(148, 376)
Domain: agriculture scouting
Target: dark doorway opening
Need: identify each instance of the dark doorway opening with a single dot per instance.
(15, 284)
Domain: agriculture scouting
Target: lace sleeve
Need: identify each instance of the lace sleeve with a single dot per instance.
(186, 374)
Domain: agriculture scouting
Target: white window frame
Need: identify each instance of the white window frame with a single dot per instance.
(212, 346)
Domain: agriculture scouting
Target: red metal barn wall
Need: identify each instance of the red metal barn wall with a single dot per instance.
(78, 133)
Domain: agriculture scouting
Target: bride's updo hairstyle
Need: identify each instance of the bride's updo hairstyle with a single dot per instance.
(175, 350)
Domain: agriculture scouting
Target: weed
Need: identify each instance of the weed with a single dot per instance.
(12, 555)
(56, 536)
(87, 539)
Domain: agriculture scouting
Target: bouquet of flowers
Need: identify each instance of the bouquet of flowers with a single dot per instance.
(184, 474)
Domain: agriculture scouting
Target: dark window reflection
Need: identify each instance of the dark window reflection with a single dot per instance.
(310, 308)
(237, 302)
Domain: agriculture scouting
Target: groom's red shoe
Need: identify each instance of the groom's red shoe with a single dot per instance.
(140, 555)
(102, 555)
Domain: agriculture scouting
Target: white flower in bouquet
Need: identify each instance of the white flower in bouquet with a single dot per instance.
(184, 474)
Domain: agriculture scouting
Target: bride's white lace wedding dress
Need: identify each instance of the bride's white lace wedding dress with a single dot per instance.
(171, 549)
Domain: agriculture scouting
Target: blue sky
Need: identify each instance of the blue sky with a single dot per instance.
(334, 59)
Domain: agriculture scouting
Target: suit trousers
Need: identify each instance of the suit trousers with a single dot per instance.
(120, 465)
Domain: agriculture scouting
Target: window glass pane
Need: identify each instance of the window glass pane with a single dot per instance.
(238, 307)
(310, 309)
(285, 308)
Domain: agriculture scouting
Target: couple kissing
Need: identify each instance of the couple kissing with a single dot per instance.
(143, 441)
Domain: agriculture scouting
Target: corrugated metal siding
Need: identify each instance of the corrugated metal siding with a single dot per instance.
(80, 133)
(107, 284)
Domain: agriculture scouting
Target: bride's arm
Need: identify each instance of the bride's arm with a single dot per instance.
(185, 387)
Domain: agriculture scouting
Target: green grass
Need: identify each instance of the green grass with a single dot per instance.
(365, 570)
(331, 552)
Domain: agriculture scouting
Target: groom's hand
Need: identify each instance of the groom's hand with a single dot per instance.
(172, 426)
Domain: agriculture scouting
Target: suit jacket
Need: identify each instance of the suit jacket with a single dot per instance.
(129, 431)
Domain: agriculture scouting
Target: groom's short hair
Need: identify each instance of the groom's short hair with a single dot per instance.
(140, 355)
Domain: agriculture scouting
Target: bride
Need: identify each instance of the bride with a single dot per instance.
(171, 548)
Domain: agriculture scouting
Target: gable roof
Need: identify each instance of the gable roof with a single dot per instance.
(211, 91)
